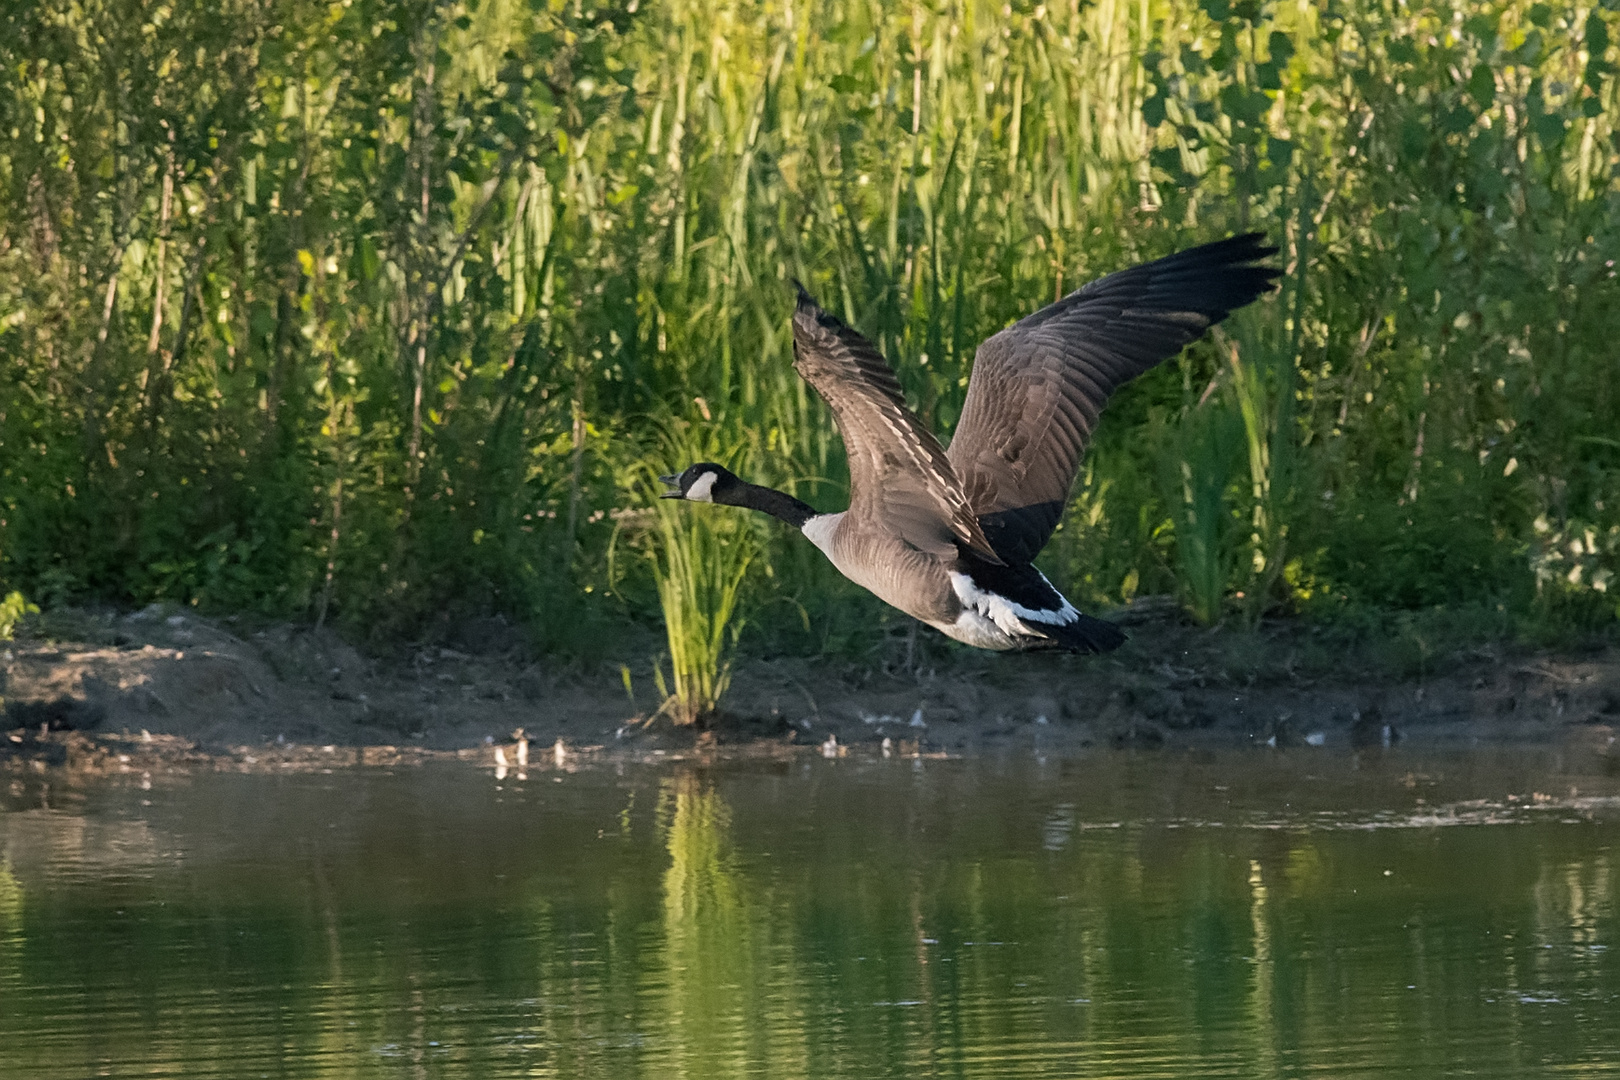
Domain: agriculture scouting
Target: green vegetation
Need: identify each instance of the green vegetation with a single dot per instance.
(700, 560)
(373, 313)
(12, 608)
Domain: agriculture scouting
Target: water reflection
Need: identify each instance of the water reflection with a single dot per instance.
(1106, 917)
(716, 970)
(11, 919)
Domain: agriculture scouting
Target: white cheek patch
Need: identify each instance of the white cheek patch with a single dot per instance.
(702, 489)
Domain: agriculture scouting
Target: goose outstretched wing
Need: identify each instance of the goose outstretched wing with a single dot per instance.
(898, 472)
(1038, 386)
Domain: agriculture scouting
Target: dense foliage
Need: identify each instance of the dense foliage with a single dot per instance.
(366, 312)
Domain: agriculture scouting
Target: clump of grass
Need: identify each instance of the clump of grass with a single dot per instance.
(700, 568)
(700, 557)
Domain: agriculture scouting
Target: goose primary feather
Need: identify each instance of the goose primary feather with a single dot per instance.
(949, 536)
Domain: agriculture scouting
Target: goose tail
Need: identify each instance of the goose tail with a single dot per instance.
(1084, 635)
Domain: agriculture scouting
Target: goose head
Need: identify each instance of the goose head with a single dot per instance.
(703, 482)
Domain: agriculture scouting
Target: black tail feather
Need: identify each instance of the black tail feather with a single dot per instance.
(1084, 635)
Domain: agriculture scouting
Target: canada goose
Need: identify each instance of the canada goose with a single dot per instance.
(948, 536)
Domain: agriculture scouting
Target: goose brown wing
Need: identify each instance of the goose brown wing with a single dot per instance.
(898, 472)
(1039, 386)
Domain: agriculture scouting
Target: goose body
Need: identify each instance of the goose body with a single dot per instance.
(978, 603)
(949, 536)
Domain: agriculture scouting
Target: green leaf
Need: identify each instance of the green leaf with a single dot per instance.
(1281, 47)
(1549, 128)
(1481, 27)
(1216, 9)
(844, 33)
(365, 263)
(1482, 86)
(1597, 36)
(12, 610)
(1414, 139)
(1168, 160)
(1153, 110)
(1529, 50)
(1244, 105)
(1456, 121)
(262, 323)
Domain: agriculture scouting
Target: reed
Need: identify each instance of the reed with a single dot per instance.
(1260, 390)
(1209, 444)
(701, 557)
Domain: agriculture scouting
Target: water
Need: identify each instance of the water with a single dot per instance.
(1244, 915)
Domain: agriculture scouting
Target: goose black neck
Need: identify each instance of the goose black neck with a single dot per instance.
(778, 504)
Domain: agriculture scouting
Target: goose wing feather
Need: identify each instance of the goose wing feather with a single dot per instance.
(898, 471)
(1039, 386)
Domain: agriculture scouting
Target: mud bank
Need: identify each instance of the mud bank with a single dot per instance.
(105, 692)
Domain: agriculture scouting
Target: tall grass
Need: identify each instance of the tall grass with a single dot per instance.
(701, 568)
(701, 555)
(354, 311)
(1204, 461)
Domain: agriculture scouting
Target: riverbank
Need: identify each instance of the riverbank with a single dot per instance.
(168, 688)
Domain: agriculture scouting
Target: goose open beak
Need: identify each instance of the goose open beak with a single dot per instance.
(673, 481)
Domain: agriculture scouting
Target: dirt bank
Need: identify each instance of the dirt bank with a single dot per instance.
(102, 691)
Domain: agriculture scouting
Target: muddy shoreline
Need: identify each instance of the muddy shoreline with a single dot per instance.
(101, 692)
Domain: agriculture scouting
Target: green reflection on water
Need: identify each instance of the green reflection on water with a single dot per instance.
(716, 966)
(11, 918)
(1104, 918)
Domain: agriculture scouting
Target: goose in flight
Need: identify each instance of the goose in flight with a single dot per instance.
(949, 536)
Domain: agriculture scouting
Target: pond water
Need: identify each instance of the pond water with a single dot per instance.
(1117, 915)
